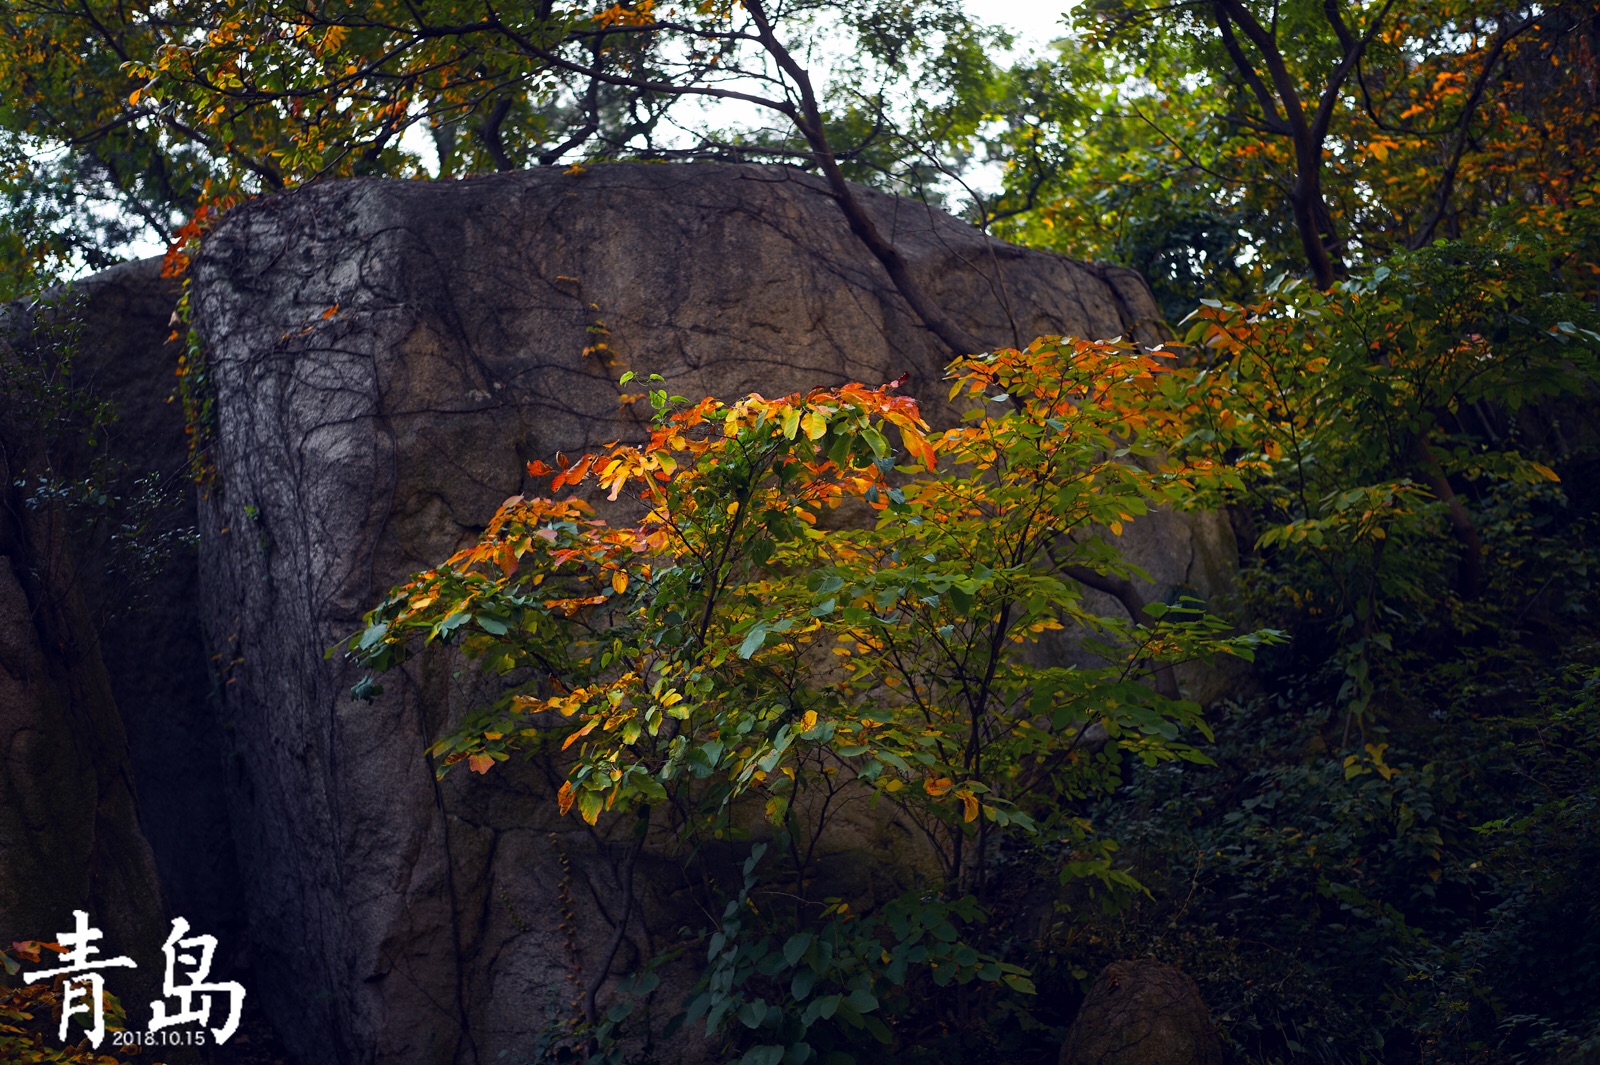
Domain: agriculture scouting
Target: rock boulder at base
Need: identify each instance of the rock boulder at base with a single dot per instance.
(1142, 1013)
(386, 357)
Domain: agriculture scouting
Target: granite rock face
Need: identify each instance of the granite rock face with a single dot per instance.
(386, 357)
(1142, 1013)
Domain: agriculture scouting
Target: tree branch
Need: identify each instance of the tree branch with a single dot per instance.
(1122, 590)
(489, 133)
(1269, 107)
(808, 120)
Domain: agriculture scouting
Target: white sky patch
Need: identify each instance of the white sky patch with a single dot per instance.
(1034, 23)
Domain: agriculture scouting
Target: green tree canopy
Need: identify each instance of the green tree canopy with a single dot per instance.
(1220, 138)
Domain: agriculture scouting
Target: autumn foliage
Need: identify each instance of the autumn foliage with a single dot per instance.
(820, 593)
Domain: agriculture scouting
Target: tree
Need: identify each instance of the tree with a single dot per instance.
(1233, 141)
(722, 651)
(1350, 413)
(1309, 137)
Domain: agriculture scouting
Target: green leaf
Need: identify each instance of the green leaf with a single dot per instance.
(765, 1054)
(753, 639)
(862, 1000)
(796, 947)
(822, 1008)
(1020, 983)
(798, 1054)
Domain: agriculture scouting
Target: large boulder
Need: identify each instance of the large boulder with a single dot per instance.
(1142, 1012)
(386, 356)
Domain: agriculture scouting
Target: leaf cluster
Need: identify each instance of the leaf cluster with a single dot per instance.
(803, 615)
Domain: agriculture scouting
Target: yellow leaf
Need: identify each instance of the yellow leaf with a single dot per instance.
(969, 804)
(619, 581)
(1545, 471)
(815, 424)
(809, 721)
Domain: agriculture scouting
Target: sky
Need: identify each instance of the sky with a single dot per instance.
(1034, 22)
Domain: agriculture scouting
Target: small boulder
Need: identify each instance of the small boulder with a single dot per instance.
(1142, 1013)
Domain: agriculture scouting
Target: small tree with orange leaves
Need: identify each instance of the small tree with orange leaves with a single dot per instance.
(820, 596)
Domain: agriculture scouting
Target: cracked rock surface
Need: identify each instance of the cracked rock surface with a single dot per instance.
(1142, 1012)
(386, 357)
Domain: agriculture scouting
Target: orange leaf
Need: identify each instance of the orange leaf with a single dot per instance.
(575, 473)
(576, 736)
(564, 796)
(481, 763)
